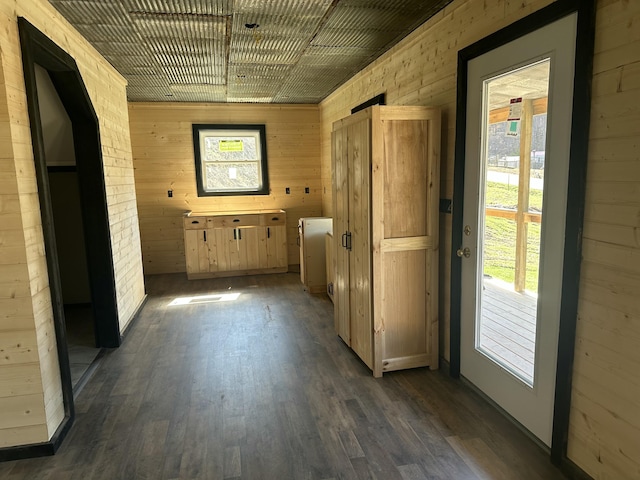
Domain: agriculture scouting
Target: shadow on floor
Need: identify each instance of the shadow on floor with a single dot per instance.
(81, 341)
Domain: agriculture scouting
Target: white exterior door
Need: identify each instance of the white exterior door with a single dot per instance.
(519, 110)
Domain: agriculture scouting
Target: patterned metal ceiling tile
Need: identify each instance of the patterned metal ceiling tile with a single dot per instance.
(124, 49)
(105, 33)
(189, 7)
(371, 19)
(161, 26)
(313, 80)
(197, 93)
(201, 50)
(193, 77)
(335, 56)
(362, 39)
(272, 51)
(258, 91)
(284, 8)
(150, 80)
(258, 70)
(92, 12)
(132, 70)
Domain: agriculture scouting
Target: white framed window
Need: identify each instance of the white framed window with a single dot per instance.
(230, 159)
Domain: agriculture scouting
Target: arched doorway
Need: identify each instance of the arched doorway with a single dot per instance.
(38, 50)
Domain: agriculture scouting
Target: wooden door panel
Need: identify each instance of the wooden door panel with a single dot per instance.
(248, 248)
(340, 227)
(263, 247)
(405, 180)
(359, 153)
(404, 309)
(212, 251)
(191, 241)
(279, 237)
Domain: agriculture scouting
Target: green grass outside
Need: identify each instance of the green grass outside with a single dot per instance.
(500, 236)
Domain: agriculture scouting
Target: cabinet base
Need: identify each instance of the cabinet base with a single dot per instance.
(316, 288)
(414, 361)
(236, 273)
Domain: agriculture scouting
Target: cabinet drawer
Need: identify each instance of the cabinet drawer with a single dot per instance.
(221, 221)
(195, 223)
(274, 219)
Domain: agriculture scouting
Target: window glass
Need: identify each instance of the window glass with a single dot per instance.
(231, 159)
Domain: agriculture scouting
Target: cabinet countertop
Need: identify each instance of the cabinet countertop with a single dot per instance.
(235, 212)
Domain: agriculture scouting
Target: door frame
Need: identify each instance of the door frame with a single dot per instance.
(37, 48)
(575, 196)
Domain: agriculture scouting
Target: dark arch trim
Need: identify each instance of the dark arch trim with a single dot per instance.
(66, 78)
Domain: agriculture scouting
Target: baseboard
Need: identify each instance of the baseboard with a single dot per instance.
(134, 317)
(295, 268)
(573, 471)
(86, 376)
(44, 449)
(445, 367)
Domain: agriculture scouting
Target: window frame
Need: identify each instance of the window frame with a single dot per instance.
(250, 129)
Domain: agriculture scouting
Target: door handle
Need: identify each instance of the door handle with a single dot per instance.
(343, 241)
(268, 232)
(205, 235)
(463, 252)
(348, 241)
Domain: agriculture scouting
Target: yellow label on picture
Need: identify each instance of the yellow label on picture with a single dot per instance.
(231, 145)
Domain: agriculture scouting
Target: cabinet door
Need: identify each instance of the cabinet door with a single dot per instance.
(196, 251)
(276, 246)
(226, 249)
(340, 169)
(249, 244)
(301, 245)
(360, 278)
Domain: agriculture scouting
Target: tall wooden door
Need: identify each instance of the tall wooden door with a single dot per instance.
(359, 253)
(405, 187)
(340, 229)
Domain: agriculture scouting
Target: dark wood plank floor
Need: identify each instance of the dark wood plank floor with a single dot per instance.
(260, 387)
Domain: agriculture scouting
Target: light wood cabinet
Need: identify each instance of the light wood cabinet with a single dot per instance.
(311, 233)
(329, 246)
(230, 244)
(385, 162)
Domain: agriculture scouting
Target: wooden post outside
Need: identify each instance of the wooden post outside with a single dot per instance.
(524, 181)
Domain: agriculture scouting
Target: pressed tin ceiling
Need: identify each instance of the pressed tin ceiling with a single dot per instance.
(270, 51)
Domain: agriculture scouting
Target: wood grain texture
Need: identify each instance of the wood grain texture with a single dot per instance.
(604, 431)
(340, 197)
(329, 264)
(421, 70)
(162, 147)
(247, 243)
(262, 388)
(24, 280)
(388, 290)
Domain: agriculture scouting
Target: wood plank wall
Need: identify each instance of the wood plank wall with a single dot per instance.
(421, 70)
(21, 386)
(30, 394)
(605, 416)
(163, 157)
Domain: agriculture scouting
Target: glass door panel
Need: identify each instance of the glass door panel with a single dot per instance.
(510, 215)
